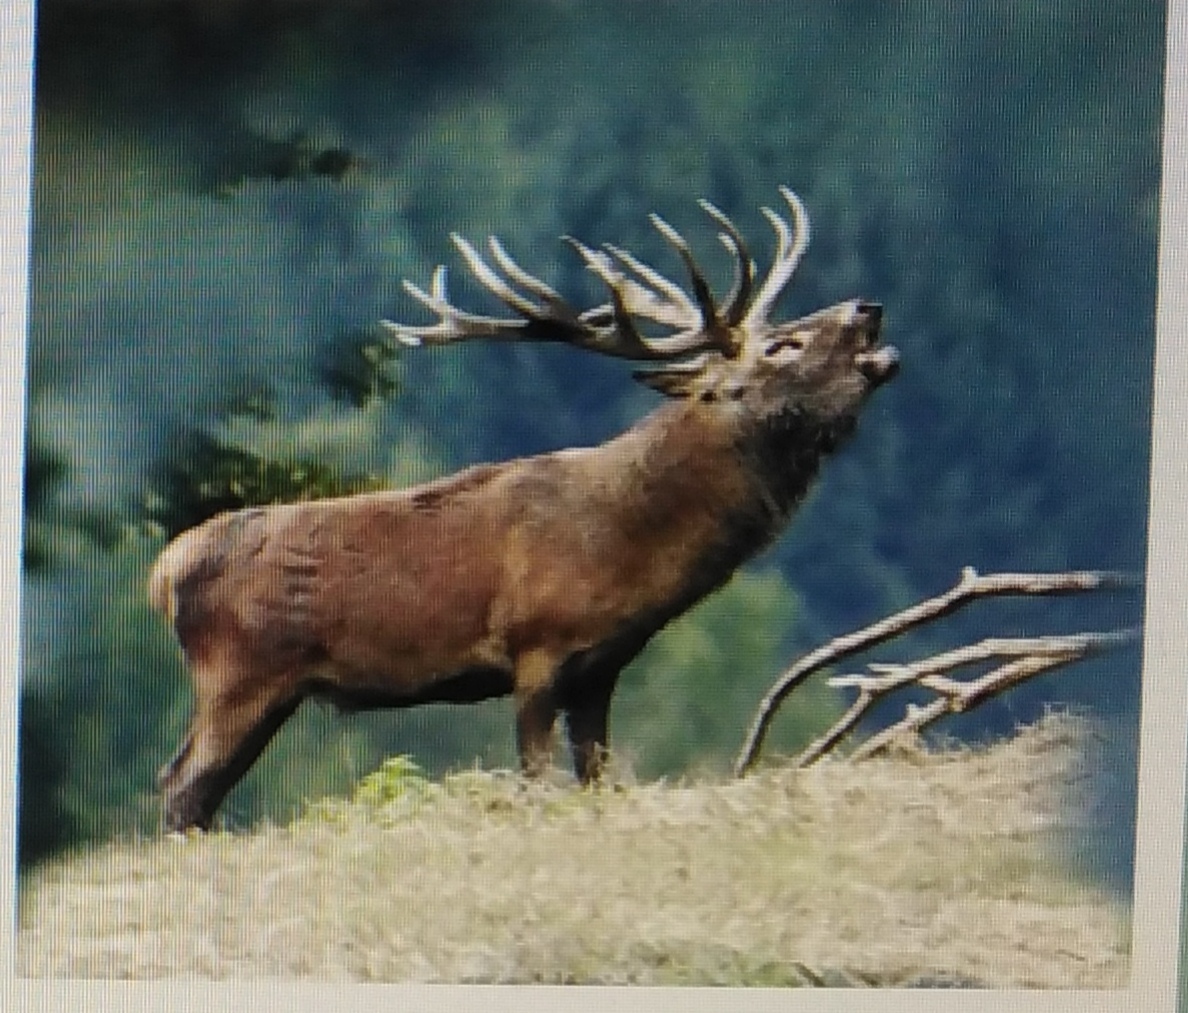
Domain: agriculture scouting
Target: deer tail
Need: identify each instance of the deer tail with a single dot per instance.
(176, 560)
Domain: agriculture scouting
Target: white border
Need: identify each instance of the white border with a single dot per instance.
(16, 92)
(1160, 839)
(1164, 741)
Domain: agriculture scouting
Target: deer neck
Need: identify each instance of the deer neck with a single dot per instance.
(723, 482)
(783, 454)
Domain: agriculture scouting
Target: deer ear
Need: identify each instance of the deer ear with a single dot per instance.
(670, 382)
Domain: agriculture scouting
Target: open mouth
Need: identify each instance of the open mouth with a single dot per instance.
(879, 364)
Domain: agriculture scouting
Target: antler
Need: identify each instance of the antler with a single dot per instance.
(790, 248)
(637, 291)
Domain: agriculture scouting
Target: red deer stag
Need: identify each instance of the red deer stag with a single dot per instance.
(540, 577)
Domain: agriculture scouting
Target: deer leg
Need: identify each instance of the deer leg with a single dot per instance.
(225, 738)
(168, 772)
(586, 720)
(536, 711)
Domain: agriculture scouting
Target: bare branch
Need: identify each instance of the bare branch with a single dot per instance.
(1030, 656)
(970, 587)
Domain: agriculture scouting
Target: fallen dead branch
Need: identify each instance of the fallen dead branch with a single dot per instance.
(1027, 657)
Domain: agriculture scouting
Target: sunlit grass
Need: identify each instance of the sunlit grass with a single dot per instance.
(920, 868)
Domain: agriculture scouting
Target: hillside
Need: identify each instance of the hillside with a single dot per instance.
(922, 868)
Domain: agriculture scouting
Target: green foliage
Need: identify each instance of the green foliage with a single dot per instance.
(46, 821)
(397, 789)
(206, 477)
(93, 737)
(362, 371)
(43, 471)
(204, 474)
(297, 156)
(397, 780)
(688, 700)
(53, 528)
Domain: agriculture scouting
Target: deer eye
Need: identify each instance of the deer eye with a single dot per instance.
(786, 347)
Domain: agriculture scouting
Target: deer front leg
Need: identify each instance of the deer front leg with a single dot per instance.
(536, 711)
(586, 719)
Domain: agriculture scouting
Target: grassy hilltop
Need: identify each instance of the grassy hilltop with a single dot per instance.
(945, 868)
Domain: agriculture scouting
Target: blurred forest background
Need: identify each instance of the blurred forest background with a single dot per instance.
(227, 195)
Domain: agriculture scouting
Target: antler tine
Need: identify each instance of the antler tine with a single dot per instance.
(701, 289)
(744, 273)
(522, 278)
(556, 320)
(678, 300)
(491, 281)
(627, 299)
(677, 311)
(790, 248)
(632, 299)
(598, 262)
(453, 324)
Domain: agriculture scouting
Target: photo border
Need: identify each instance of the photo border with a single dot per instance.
(1164, 737)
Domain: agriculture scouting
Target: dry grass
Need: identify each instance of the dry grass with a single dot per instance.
(921, 868)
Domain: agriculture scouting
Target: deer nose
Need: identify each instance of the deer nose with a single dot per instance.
(872, 312)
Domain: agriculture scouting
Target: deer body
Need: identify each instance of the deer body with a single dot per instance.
(541, 577)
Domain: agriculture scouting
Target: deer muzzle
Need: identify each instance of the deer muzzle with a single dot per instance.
(877, 364)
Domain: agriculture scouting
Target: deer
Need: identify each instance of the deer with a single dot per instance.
(541, 577)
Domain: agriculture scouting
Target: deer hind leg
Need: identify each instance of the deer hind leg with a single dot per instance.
(228, 732)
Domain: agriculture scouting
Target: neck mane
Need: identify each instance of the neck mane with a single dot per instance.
(734, 479)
